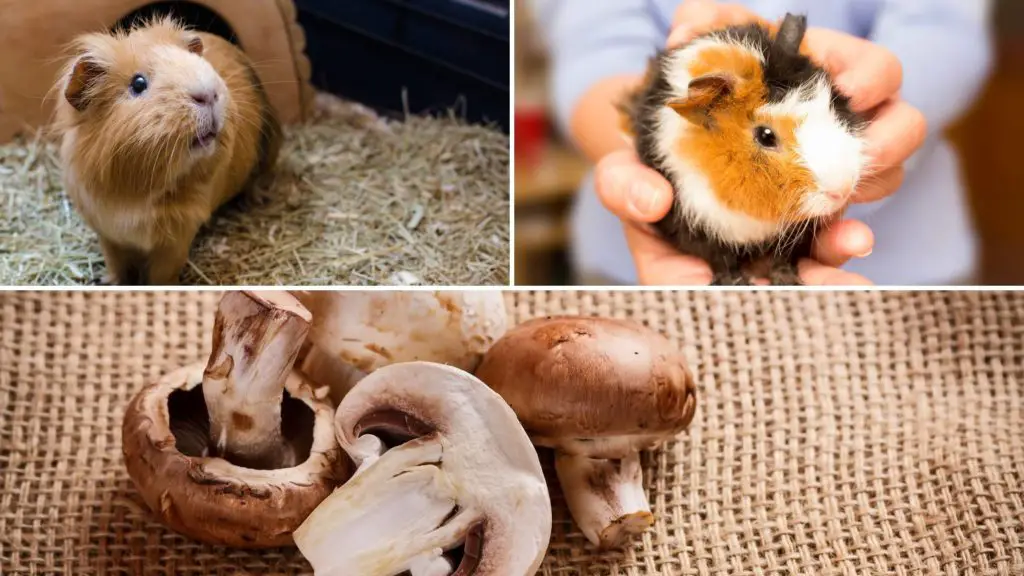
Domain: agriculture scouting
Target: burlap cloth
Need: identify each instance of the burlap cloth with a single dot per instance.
(865, 433)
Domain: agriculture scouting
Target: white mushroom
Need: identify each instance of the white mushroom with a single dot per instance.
(448, 482)
(355, 333)
(597, 391)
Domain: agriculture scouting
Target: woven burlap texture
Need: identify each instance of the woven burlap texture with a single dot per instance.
(837, 433)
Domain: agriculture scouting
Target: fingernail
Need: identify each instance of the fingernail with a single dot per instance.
(866, 254)
(643, 199)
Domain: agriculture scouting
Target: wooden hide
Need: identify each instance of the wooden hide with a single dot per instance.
(35, 33)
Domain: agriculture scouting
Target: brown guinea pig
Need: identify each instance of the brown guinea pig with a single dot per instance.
(160, 126)
(759, 145)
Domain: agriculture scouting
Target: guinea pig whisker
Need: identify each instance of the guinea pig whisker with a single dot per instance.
(249, 121)
(279, 82)
(269, 61)
(786, 240)
(794, 227)
(795, 235)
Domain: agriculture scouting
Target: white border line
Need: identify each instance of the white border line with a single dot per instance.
(512, 145)
(752, 289)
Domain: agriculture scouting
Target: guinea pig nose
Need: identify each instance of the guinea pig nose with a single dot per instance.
(204, 97)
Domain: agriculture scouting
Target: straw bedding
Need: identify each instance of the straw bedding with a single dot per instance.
(837, 433)
(356, 200)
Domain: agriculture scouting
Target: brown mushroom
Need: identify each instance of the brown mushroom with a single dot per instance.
(354, 333)
(239, 450)
(448, 482)
(597, 391)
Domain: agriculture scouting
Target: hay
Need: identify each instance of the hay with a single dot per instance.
(357, 199)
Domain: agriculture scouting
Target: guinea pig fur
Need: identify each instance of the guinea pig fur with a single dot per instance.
(160, 126)
(758, 143)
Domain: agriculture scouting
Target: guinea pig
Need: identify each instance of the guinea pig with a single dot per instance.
(759, 145)
(160, 126)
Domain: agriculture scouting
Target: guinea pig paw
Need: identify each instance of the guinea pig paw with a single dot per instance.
(731, 279)
(784, 276)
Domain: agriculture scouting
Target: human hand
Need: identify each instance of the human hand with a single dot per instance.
(869, 74)
(639, 196)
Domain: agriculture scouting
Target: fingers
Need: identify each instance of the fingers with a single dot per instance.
(842, 241)
(874, 187)
(639, 195)
(696, 17)
(814, 273)
(894, 134)
(659, 264)
(866, 72)
(630, 190)
(690, 9)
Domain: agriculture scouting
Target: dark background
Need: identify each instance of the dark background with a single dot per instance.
(441, 54)
(424, 56)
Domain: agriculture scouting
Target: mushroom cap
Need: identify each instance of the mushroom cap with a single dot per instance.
(371, 329)
(582, 378)
(210, 499)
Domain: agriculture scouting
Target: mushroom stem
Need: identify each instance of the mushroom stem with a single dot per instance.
(431, 565)
(605, 497)
(396, 515)
(330, 371)
(256, 338)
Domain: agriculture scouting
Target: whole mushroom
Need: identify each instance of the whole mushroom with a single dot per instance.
(597, 391)
(448, 482)
(239, 450)
(355, 333)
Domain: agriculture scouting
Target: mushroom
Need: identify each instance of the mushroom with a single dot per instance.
(596, 391)
(448, 482)
(355, 333)
(239, 450)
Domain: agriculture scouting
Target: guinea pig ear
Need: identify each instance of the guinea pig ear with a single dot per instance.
(791, 33)
(83, 76)
(195, 45)
(704, 95)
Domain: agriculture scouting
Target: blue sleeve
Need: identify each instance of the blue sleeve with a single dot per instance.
(591, 40)
(946, 50)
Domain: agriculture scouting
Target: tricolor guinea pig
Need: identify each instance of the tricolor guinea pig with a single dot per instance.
(160, 126)
(759, 145)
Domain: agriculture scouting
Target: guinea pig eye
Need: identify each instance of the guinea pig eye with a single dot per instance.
(139, 84)
(766, 137)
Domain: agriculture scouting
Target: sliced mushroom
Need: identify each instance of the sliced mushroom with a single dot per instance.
(355, 333)
(239, 450)
(448, 482)
(596, 391)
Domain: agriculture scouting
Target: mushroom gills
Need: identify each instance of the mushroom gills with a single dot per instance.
(601, 447)
(392, 427)
(397, 516)
(190, 425)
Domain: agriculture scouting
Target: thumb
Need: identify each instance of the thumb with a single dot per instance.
(691, 12)
(659, 264)
(696, 17)
(688, 8)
